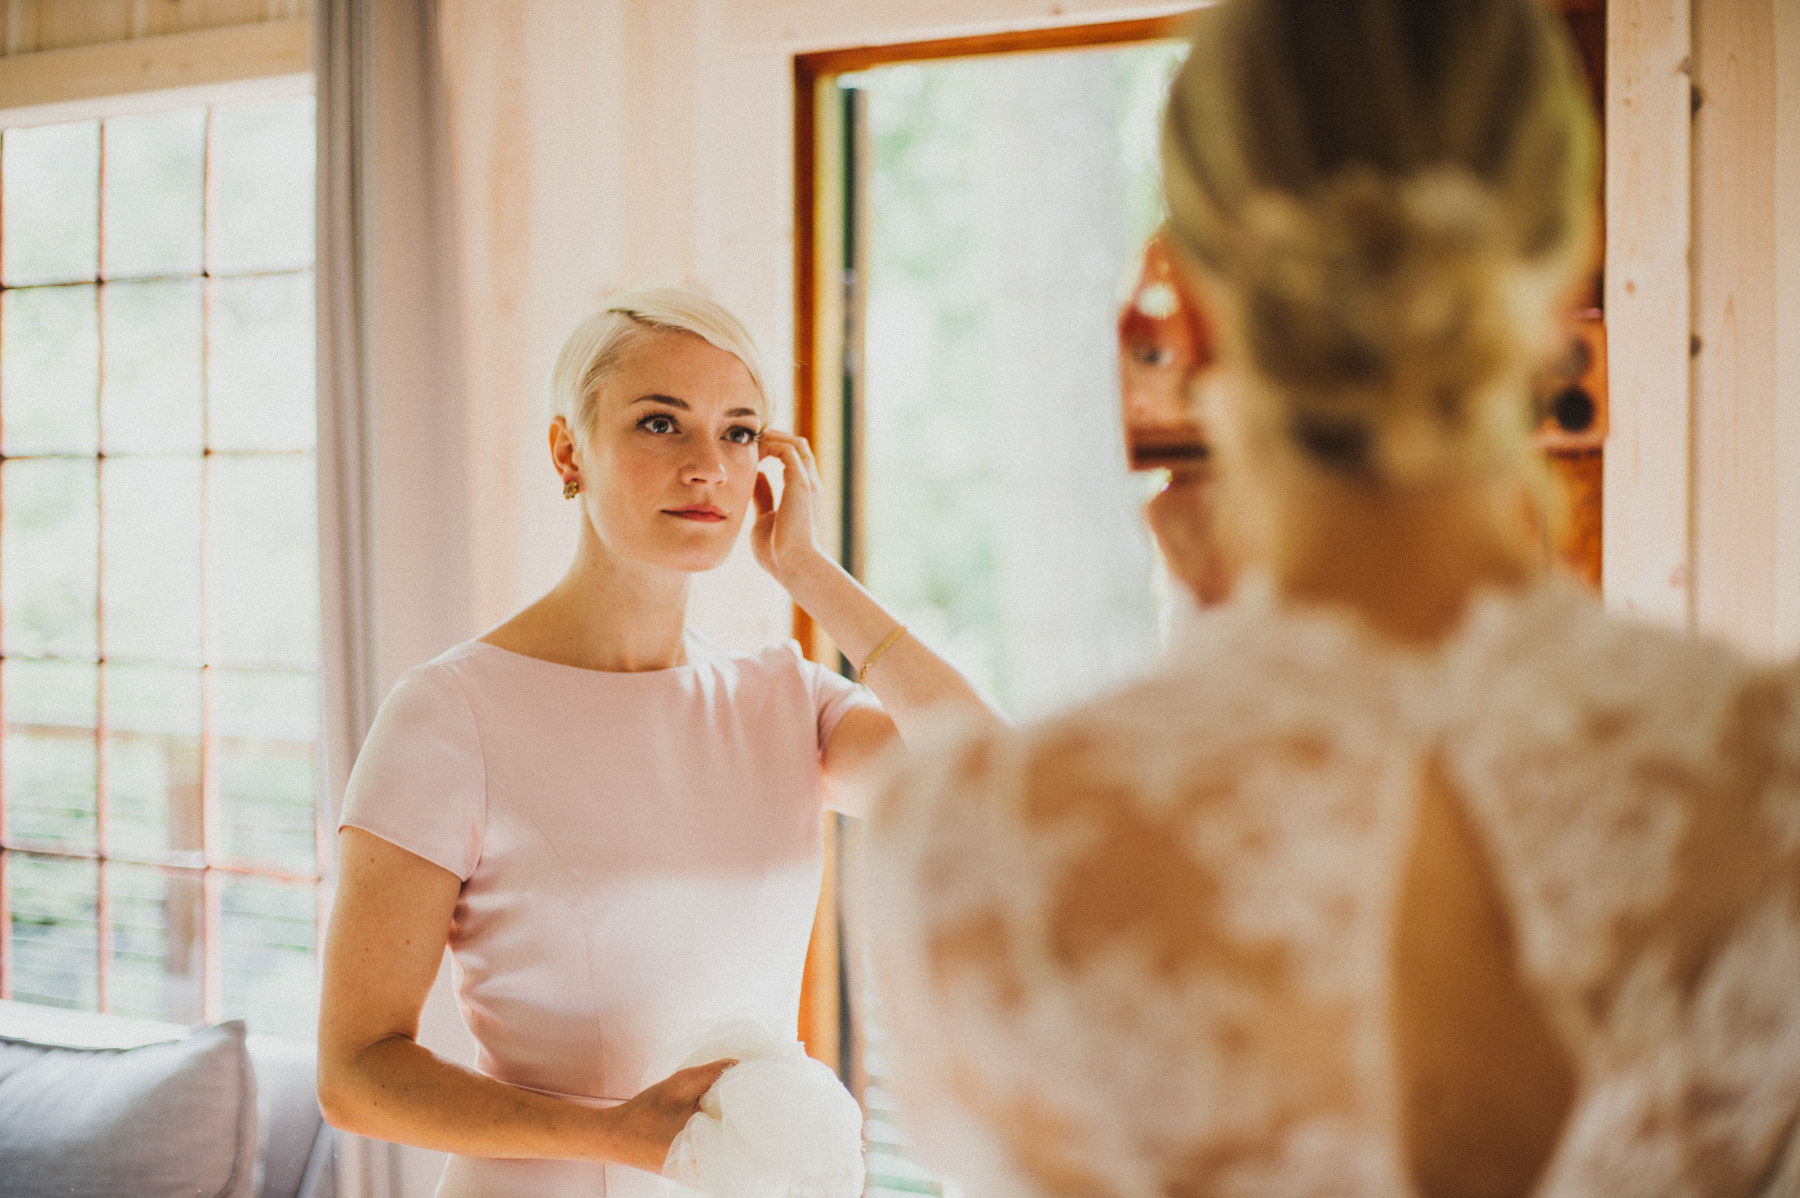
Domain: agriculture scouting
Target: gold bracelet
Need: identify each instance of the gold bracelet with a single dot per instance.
(862, 675)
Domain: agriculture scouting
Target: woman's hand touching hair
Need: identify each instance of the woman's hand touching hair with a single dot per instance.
(912, 680)
(785, 538)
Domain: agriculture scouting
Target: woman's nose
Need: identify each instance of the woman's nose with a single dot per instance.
(705, 465)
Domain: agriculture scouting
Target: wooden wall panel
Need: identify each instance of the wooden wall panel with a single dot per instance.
(1734, 396)
(32, 26)
(1647, 473)
(76, 82)
(1787, 325)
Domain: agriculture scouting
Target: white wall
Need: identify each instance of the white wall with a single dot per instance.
(1645, 567)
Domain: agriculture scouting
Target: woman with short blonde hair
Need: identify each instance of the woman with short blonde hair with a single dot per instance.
(612, 823)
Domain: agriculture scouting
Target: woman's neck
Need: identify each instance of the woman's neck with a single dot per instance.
(1407, 560)
(606, 614)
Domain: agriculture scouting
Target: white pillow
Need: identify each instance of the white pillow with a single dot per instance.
(167, 1119)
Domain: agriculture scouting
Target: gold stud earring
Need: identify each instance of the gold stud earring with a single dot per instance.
(571, 487)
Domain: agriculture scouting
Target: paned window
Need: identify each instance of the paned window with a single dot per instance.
(160, 845)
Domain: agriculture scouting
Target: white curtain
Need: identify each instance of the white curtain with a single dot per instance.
(393, 511)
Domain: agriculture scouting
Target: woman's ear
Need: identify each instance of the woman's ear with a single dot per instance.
(565, 453)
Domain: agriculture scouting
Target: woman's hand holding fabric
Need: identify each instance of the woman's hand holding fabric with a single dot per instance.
(777, 1125)
(645, 1126)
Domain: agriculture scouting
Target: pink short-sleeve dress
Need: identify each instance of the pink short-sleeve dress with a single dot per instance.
(640, 856)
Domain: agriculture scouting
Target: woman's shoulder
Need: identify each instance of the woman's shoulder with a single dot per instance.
(1553, 667)
(1265, 712)
(1607, 760)
(427, 713)
(1249, 686)
(440, 684)
(1238, 677)
(420, 779)
(1560, 633)
(1637, 788)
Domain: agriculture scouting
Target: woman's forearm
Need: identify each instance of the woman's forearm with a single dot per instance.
(396, 1089)
(908, 677)
(384, 945)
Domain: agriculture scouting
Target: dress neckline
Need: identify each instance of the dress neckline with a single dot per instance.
(702, 653)
(1257, 599)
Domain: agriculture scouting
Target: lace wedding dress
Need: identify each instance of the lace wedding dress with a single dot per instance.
(1144, 949)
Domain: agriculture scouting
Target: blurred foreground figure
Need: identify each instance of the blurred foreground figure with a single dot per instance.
(1423, 875)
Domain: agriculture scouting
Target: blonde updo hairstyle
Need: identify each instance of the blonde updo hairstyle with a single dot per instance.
(594, 350)
(1384, 199)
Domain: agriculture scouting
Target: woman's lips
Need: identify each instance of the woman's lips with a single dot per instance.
(704, 514)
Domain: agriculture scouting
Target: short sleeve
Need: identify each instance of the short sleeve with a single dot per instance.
(420, 781)
(833, 696)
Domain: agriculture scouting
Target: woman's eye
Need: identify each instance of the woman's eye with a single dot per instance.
(741, 435)
(657, 424)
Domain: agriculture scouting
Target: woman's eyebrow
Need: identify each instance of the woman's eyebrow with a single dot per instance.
(671, 401)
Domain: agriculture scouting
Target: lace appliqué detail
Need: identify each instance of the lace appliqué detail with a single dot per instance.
(1641, 794)
(1039, 979)
(1052, 1027)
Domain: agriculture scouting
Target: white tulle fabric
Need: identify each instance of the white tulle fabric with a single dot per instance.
(1638, 794)
(778, 1124)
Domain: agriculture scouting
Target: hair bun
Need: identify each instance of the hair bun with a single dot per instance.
(1388, 309)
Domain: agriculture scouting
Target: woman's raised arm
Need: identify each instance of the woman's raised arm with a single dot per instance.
(910, 679)
(389, 925)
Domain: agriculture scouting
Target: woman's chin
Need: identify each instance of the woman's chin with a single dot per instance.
(701, 566)
(691, 558)
(691, 550)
